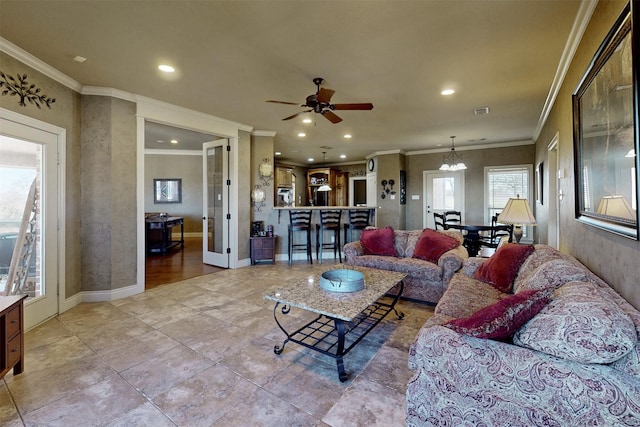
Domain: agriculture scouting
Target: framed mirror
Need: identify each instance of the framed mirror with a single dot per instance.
(605, 135)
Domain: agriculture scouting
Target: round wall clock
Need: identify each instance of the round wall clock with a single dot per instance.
(371, 165)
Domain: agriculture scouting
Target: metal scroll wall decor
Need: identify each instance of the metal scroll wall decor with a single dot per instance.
(28, 92)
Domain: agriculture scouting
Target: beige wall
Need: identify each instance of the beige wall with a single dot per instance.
(476, 160)
(108, 176)
(185, 167)
(611, 257)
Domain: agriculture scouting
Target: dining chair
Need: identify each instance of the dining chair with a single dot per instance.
(452, 217)
(438, 220)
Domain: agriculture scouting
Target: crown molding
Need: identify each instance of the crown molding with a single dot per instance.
(263, 133)
(473, 147)
(575, 36)
(37, 64)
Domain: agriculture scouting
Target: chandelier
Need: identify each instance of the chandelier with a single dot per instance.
(452, 161)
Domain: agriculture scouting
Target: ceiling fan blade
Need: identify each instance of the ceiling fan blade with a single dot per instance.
(283, 102)
(296, 114)
(324, 95)
(362, 106)
(331, 116)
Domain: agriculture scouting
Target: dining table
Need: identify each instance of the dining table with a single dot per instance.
(473, 239)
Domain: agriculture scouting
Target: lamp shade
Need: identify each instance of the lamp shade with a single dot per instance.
(324, 187)
(517, 211)
(616, 206)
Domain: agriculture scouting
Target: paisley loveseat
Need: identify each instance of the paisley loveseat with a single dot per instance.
(426, 279)
(563, 350)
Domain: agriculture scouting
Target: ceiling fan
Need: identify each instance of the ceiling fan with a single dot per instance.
(320, 102)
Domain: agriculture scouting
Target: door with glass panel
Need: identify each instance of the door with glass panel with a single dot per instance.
(28, 218)
(216, 215)
(442, 191)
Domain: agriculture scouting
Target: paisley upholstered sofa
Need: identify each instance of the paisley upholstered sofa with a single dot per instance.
(429, 257)
(555, 347)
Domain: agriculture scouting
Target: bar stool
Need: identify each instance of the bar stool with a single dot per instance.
(359, 219)
(299, 220)
(329, 221)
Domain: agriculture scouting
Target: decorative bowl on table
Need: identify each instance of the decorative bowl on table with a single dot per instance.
(342, 280)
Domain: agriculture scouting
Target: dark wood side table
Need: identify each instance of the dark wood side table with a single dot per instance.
(163, 225)
(263, 249)
(12, 334)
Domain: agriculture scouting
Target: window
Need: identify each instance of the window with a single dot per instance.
(505, 182)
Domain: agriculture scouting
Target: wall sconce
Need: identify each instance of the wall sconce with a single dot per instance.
(265, 172)
(387, 187)
(258, 197)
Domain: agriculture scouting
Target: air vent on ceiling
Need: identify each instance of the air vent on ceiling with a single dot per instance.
(481, 111)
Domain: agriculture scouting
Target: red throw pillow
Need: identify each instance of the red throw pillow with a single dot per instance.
(378, 241)
(503, 318)
(431, 245)
(500, 270)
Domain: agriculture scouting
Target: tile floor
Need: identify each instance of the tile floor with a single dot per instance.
(200, 353)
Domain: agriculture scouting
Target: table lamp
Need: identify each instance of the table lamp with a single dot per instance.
(616, 206)
(518, 213)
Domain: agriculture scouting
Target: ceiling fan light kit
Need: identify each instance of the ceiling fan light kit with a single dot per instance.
(320, 103)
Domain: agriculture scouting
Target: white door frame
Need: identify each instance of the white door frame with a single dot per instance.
(352, 186)
(553, 207)
(27, 128)
(160, 112)
(219, 259)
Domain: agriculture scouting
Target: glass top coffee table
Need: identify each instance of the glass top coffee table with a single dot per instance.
(344, 318)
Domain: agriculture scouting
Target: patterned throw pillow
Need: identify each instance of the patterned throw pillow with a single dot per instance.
(501, 269)
(502, 318)
(432, 245)
(378, 242)
(579, 324)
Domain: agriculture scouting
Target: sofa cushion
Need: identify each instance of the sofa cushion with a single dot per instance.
(580, 325)
(501, 269)
(553, 274)
(378, 242)
(432, 245)
(504, 317)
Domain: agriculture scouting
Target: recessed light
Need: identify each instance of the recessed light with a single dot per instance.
(310, 159)
(347, 135)
(447, 92)
(277, 153)
(80, 59)
(174, 141)
(302, 134)
(307, 120)
(343, 156)
(166, 68)
(160, 141)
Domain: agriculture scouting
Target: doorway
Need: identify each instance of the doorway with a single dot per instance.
(31, 202)
(358, 191)
(442, 191)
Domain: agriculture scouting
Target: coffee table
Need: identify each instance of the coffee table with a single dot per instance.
(344, 318)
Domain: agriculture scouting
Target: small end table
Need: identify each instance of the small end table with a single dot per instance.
(263, 249)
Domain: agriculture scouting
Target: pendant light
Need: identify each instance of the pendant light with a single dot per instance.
(452, 161)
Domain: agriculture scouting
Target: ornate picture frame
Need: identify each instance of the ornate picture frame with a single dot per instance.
(605, 128)
(167, 190)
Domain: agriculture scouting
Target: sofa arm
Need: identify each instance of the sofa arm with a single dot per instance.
(471, 265)
(460, 380)
(352, 250)
(452, 261)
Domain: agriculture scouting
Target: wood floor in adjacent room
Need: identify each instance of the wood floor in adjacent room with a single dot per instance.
(178, 264)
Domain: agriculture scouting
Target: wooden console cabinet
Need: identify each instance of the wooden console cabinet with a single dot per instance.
(263, 249)
(12, 334)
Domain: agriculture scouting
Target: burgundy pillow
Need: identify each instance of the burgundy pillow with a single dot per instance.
(431, 245)
(378, 241)
(500, 270)
(503, 318)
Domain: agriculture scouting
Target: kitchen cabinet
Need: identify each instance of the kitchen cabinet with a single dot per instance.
(337, 180)
(284, 177)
